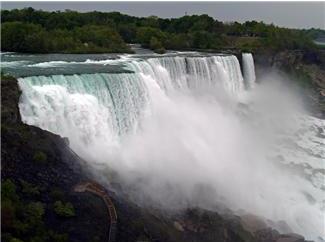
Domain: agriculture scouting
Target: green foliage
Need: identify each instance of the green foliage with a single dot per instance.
(145, 34)
(64, 209)
(160, 50)
(128, 32)
(315, 33)
(29, 189)
(57, 194)
(100, 36)
(23, 220)
(8, 191)
(10, 204)
(27, 37)
(156, 45)
(58, 237)
(34, 211)
(15, 240)
(7, 77)
(14, 35)
(29, 30)
(282, 39)
(40, 157)
(178, 41)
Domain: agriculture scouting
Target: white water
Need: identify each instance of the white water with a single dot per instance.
(249, 69)
(12, 63)
(173, 132)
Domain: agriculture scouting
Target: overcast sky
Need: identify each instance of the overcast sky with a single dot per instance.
(287, 14)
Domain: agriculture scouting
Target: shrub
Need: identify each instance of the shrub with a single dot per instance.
(15, 240)
(34, 212)
(40, 157)
(28, 188)
(64, 210)
(160, 51)
(8, 191)
(58, 237)
(57, 194)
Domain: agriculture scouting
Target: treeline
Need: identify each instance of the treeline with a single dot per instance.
(315, 33)
(29, 37)
(29, 30)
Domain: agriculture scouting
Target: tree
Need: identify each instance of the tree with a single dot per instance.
(178, 41)
(101, 36)
(14, 35)
(30, 30)
(156, 45)
(64, 209)
(144, 35)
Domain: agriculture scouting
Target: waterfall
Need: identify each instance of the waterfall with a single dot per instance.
(102, 107)
(89, 107)
(249, 70)
(194, 72)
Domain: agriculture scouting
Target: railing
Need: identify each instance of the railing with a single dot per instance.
(100, 191)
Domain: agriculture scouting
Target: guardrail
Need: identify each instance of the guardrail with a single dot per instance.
(100, 191)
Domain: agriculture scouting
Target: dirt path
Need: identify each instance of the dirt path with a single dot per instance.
(100, 191)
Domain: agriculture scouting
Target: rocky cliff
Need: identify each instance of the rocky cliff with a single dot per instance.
(306, 68)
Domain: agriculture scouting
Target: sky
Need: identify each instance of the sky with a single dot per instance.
(285, 14)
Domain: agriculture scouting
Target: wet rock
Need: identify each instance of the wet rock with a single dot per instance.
(291, 238)
(267, 235)
(281, 225)
(252, 223)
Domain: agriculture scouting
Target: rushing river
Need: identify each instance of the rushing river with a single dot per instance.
(184, 129)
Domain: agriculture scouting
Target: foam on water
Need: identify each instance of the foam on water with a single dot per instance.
(12, 63)
(51, 63)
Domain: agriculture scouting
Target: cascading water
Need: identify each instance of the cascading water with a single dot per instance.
(249, 69)
(165, 130)
(60, 103)
(92, 108)
(194, 73)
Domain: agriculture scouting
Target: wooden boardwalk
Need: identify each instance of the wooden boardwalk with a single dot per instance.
(100, 191)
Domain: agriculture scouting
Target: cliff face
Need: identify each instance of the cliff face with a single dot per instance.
(306, 68)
